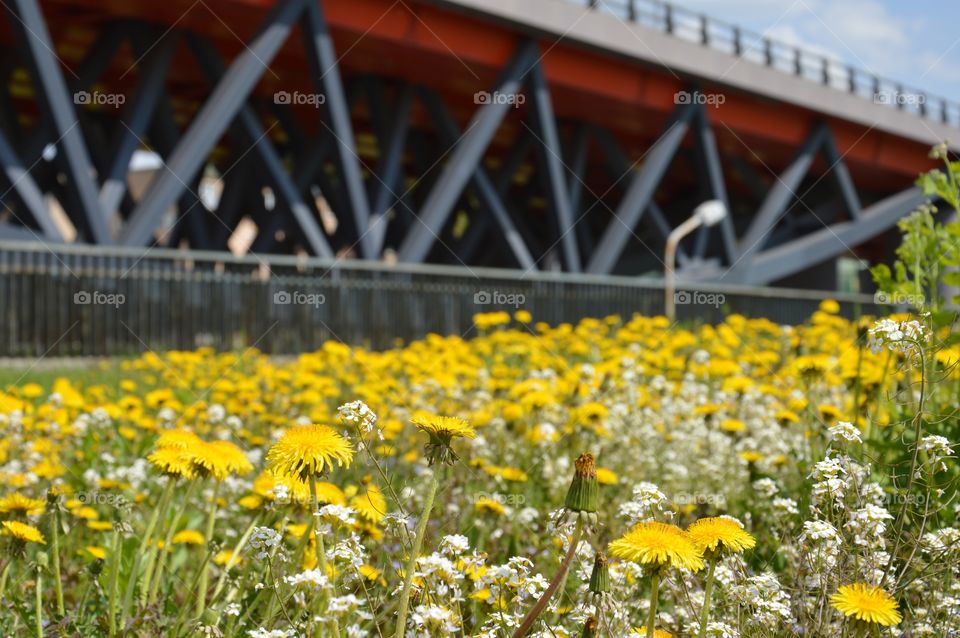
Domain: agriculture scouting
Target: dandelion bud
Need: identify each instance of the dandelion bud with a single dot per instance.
(584, 492)
(600, 576)
(96, 567)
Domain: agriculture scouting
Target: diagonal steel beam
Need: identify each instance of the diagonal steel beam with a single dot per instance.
(640, 192)
(26, 188)
(707, 145)
(48, 79)
(102, 50)
(8, 113)
(781, 193)
(135, 119)
(786, 259)
(663, 227)
(578, 167)
(238, 188)
(322, 59)
(578, 164)
(841, 176)
(465, 158)
(550, 154)
(513, 161)
(619, 166)
(216, 114)
(248, 126)
(19, 233)
(390, 168)
(450, 132)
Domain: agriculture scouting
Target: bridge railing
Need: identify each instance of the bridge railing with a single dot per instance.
(730, 38)
(83, 301)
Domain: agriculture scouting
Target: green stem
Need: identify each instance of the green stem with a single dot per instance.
(55, 543)
(83, 601)
(234, 558)
(144, 547)
(559, 579)
(415, 553)
(654, 595)
(3, 578)
(114, 581)
(321, 552)
(168, 541)
(205, 573)
(39, 595)
(707, 593)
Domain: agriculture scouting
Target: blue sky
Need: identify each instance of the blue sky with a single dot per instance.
(916, 42)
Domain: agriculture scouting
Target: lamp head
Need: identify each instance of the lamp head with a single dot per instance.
(710, 212)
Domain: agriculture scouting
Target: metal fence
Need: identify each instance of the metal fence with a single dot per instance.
(78, 300)
(729, 38)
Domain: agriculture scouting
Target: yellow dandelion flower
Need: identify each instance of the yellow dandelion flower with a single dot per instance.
(16, 503)
(22, 532)
(442, 430)
(218, 459)
(86, 513)
(370, 572)
(489, 505)
(330, 494)
(786, 417)
(733, 425)
(657, 633)
(606, 476)
(513, 474)
(449, 427)
(720, 533)
(96, 552)
(830, 306)
(188, 537)
(250, 501)
(868, 603)
(174, 461)
(371, 505)
(177, 438)
(225, 556)
(309, 449)
(658, 545)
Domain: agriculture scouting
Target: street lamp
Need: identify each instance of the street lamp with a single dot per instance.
(709, 213)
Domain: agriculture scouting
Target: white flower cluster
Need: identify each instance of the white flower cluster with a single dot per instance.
(846, 431)
(340, 513)
(647, 501)
(894, 335)
(312, 577)
(937, 448)
(358, 414)
(272, 633)
(264, 540)
(762, 594)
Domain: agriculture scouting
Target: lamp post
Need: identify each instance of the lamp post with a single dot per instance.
(709, 213)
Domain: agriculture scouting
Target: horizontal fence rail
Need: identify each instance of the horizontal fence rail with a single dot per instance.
(729, 38)
(81, 301)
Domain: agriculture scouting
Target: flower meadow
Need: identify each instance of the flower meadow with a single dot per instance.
(616, 477)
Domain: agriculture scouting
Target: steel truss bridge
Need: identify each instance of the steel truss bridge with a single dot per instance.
(530, 134)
